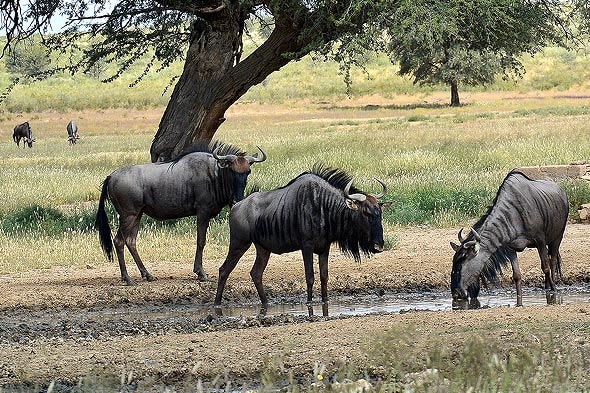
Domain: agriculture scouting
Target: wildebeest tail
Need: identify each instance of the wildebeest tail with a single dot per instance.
(102, 222)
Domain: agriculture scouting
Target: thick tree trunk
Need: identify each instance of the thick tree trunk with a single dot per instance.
(211, 81)
(455, 94)
(210, 55)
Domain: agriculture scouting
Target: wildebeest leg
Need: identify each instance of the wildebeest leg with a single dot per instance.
(131, 241)
(555, 268)
(202, 225)
(260, 263)
(127, 235)
(555, 261)
(323, 263)
(517, 277)
(233, 256)
(308, 264)
(546, 266)
(119, 242)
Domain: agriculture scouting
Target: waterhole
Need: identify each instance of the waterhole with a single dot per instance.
(411, 302)
(22, 325)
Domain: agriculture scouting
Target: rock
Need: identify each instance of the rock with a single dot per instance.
(584, 212)
(557, 172)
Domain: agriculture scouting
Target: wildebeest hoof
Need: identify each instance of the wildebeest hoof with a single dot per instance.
(149, 277)
(203, 277)
(129, 281)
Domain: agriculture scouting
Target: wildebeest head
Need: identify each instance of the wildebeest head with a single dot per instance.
(466, 266)
(370, 229)
(29, 141)
(240, 167)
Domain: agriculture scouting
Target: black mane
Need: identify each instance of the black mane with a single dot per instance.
(349, 243)
(208, 147)
(504, 254)
(335, 177)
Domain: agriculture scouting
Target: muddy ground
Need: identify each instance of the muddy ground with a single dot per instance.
(65, 323)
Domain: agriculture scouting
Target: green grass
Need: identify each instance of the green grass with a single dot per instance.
(442, 165)
(439, 172)
(307, 79)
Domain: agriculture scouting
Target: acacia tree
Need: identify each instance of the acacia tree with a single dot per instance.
(467, 42)
(207, 34)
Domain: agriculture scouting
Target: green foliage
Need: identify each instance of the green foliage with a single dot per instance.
(465, 42)
(45, 220)
(437, 204)
(578, 192)
(27, 58)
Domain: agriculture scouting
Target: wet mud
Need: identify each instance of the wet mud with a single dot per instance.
(150, 319)
(64, 323)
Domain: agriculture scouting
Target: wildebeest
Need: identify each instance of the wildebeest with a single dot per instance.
(73, 136)
(525, 213)
(314, 210)
(200, 183)
(23, 131)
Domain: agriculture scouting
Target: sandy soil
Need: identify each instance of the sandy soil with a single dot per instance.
(64, 323)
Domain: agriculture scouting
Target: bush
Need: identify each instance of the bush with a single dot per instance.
(27, 58)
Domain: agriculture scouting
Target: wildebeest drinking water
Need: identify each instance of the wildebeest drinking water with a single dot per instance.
(72, 130)
(199, 183)
(23, 131)
(525, 213)
(314, 210)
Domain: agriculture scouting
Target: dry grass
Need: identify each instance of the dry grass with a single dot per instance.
(442, 165)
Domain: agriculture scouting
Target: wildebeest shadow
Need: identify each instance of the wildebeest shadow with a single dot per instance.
(373, 107)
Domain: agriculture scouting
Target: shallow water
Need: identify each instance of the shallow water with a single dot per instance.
(412, 302)
(21, 325)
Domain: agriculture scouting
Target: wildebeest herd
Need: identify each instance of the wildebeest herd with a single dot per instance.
(316, 209)
(23, 132)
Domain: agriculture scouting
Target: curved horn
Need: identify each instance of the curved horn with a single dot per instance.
(461, 240)
(222, 158)
(383, 191)
(355, 197)
(254, 158)
(476, 235)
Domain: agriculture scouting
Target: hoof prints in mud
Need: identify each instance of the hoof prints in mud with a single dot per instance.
(22, 326)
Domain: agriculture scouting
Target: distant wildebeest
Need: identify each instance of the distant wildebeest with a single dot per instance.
(314, 210)
(525, 213)
(73, 136)
(198, 183)
(23, 131)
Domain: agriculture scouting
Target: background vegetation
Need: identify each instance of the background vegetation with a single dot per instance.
(442, 165)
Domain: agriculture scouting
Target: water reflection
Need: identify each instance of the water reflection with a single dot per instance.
(407, 302)
(551, 298)
(464, 304)
(234, 311)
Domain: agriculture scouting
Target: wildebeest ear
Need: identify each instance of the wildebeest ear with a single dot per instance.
(385, 205)
(455, 247)
(351, 204)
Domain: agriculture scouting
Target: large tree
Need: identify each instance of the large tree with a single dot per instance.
(207, 34)
(468, 42)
